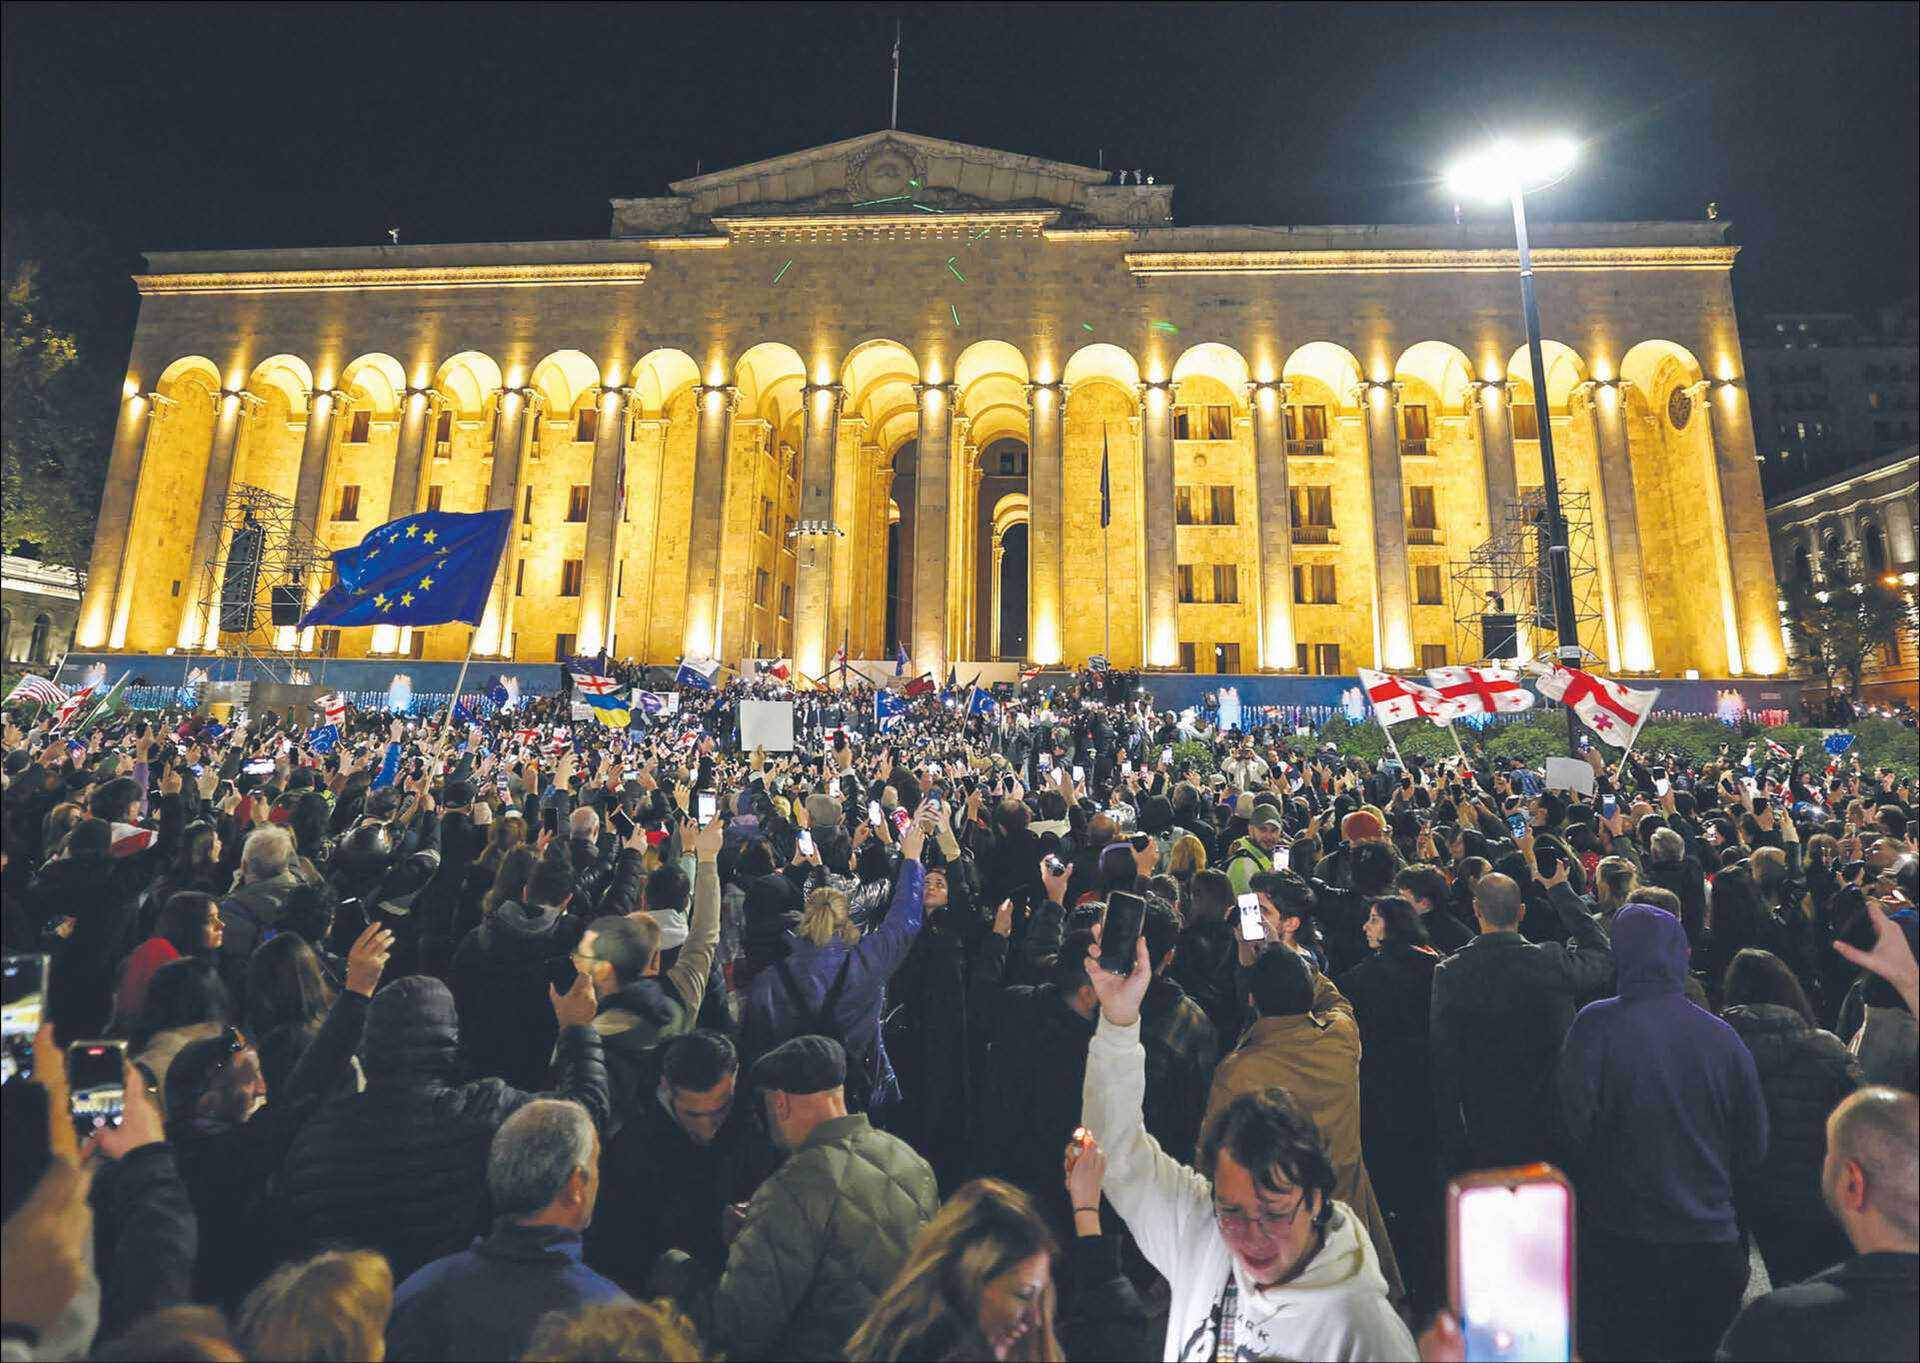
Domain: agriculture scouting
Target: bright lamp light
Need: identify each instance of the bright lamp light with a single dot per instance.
(1498, 171)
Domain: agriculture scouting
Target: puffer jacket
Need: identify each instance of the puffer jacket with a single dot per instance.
(401, 1167)
(1804, 1073)
(823, 1238)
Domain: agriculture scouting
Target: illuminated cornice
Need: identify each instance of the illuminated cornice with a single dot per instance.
(1144, 263)
(844, 226)
(400, 277)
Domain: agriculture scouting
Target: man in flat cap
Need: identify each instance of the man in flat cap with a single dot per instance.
(825, 1235)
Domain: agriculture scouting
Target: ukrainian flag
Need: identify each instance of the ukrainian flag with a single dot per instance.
(607, 697)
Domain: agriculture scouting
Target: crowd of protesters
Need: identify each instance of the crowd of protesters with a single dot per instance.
(538, 1038)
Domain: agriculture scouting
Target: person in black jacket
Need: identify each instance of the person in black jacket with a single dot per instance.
(1035, 1065)
(669, 1177)
(231, 1141)
(1805, 1073)
(1205, 961)
(926, 1030)
(401, 1166)
(500, 976)
(1427, 890)
(1501, 1007)
(1392, 997)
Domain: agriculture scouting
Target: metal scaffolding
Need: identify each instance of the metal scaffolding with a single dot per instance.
(290, 557)
(1508, 574)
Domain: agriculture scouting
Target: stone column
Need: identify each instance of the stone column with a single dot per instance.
(323, 410)
(1607, 403)
(815, 532)
(1275, 530)
(844, 595)
(403, 495)
(495, 637)
(596, 571)
(877, 581)
(714, 407)
(102, 620)
(1161, 646)
(933, 508)
(1046, 413)
(1393, 615)
(230, 413)
(1491, 402)
(643, 512)
(1755, 590)
(993, 617)
(970, 620)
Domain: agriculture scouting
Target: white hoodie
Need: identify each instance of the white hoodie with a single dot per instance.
(1336, 1309)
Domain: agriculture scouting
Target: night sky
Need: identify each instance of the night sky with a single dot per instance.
(270, 125)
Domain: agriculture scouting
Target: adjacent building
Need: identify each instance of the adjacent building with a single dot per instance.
(905, 391)
(39, 605)
(1859, 525)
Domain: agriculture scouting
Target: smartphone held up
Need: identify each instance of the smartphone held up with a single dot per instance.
(1510, 1262)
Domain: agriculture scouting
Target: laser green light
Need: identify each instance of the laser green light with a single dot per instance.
(784, 269)
(955, 270)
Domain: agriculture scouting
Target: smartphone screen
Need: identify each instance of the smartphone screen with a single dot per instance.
(705, 804)
(1125, 915)
(622, 824)
(22, 1006)
(1252, 929)
(1661, 785)
(1126, 767)
(806, 843)
(873, 813)
(1518, 823)
(1511, 1260)
(1283, 858)
(1166, 754)
(97, 1083)
(1079, 775)
(1046, 761)
(1609, 806)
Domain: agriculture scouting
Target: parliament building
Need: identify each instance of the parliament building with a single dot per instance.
(905, 392)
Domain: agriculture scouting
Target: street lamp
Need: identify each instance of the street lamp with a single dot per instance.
(1509, 170)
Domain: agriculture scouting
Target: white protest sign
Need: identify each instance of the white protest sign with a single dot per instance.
(1571, 774)
(766, 724)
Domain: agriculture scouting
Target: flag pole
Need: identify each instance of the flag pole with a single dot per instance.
(1620, 769)
(461, 681)
(1387, 729)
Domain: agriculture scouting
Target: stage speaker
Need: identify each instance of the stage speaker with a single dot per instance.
(1499, 635)
(241, 581)
(286, 604)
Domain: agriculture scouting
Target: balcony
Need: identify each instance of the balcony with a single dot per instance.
(1425, 534)
(1314, 534)
(443, 449)
(1306, 447)
(1412, 447)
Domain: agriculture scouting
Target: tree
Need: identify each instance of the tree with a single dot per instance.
(1837, 630)
(61, 296)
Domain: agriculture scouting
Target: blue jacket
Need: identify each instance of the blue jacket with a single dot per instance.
(1659, 1100)
(771, 1016)
(484, 1301)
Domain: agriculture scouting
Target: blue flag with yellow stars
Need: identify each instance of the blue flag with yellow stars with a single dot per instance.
(424, 569)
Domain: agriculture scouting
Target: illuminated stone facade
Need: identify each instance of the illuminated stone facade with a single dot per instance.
(902, 341)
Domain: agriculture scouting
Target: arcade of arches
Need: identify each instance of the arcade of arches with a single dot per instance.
(1273, 506)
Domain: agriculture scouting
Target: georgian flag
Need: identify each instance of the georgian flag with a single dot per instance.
(1614, 712)
(73, 705)
(1779, 751)
(1478, 691)
(1394, 698)
(333, 709)
(527, 737)
(593, 684)
(128, 839)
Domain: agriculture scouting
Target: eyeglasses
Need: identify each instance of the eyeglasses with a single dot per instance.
(1235, 1222)
(235, 1043)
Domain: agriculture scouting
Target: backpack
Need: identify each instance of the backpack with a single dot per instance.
(862, 1072)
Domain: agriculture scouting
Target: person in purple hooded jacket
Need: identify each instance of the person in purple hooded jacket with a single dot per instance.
(1660, 1110)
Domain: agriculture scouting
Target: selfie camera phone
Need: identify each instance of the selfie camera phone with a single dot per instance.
(1126, 914)
(705, 804)
(1510, 1262)
(1251, 928)
(806, 843)
(1518, 823)
(22, 1006)
(96, 1085)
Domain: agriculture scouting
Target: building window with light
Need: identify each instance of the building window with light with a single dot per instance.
(1426, 585)
(433, 497)
(359, 428)
(577, 501)
(443, 435)
(586, 425)
(570, 572)
(349, 508)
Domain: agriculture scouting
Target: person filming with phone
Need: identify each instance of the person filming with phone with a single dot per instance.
(1260, 1259)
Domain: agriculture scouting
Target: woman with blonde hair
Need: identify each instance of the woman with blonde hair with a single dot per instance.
(1614, 879)
(833, 981)
(1187, 855)
(328, 1309)
(978, 1284)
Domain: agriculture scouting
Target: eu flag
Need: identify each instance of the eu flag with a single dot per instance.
(888, 707)
(424, 569)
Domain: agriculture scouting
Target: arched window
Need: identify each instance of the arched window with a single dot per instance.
(42, 631)
(1873, 548)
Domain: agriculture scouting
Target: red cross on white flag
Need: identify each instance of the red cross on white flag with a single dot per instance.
(1478, 691)
(1394, 699)
(1614, 712)
(595, 685)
